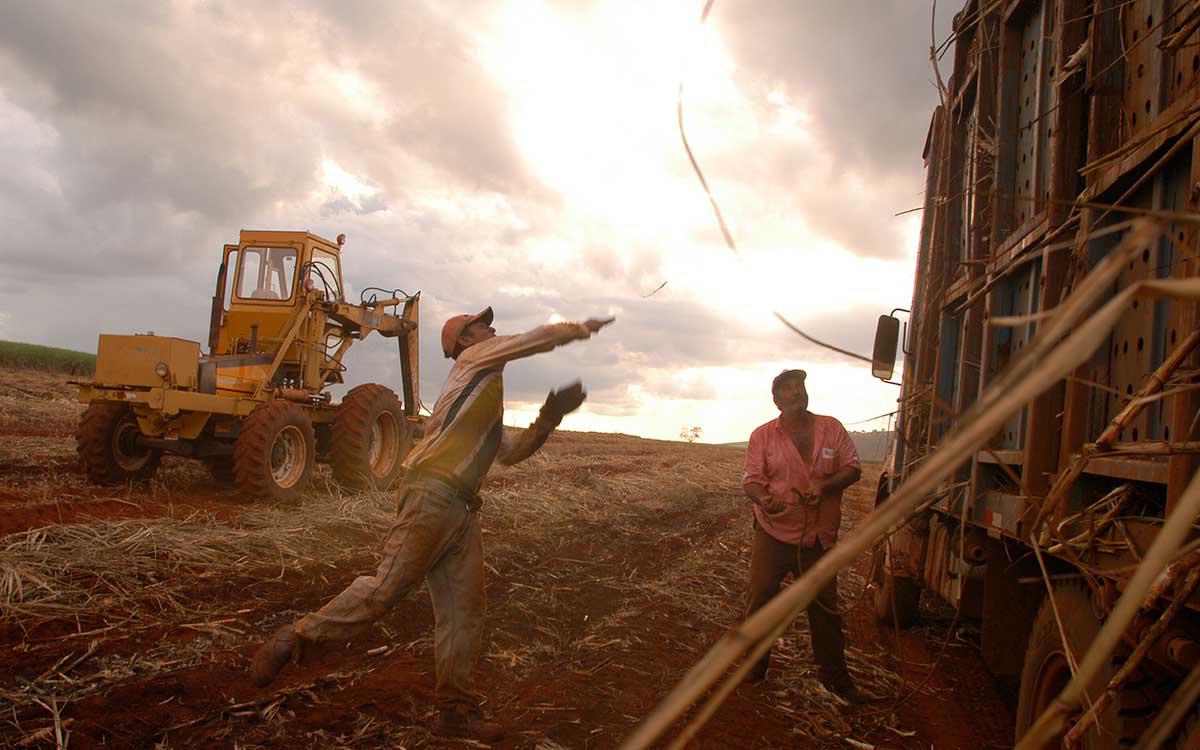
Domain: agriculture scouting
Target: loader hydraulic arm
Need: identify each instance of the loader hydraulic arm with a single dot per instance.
(364, 319)
(360, 320)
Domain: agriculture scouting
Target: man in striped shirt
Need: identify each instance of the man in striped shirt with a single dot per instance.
(436, 537)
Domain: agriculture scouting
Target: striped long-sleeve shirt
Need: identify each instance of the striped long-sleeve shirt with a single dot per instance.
(465, 432)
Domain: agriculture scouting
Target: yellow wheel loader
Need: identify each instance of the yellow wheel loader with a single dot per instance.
(256, 409)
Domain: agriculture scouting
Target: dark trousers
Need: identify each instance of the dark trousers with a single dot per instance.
(770, 561)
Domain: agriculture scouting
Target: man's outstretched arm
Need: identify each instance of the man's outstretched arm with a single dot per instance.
(558, 404)
(501, 349)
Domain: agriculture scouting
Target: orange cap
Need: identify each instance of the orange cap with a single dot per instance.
(456, 325)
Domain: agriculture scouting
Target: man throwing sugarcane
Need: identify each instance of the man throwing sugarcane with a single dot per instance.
(796, 469)
(436, 536)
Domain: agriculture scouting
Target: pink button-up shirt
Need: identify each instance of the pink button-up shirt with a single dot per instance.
(772, 461)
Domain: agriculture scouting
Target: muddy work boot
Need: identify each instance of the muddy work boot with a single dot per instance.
(756, 675)
(274, 655)
(468, 723)
(849, 692)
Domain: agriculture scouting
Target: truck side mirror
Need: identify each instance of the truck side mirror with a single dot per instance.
(883, 356)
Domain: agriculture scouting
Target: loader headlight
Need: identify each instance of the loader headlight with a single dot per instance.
(161, 370)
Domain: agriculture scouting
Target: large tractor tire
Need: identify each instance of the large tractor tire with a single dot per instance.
(1047, 671)
(106, 441)
(907, 594)
(275, 452)
(370, 438)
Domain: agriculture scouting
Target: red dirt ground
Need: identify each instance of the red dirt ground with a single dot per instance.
(590, 622)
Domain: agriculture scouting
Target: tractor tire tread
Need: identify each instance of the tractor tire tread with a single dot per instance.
(93, 442)
(251, 452)
(350, 436)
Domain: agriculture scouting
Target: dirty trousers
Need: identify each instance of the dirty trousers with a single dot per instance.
(770, 561)
(435, 538)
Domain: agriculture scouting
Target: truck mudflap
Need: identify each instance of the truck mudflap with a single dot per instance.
(905, 555)
(952, 564)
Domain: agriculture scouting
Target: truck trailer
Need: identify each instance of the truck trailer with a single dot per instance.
(1062, 123)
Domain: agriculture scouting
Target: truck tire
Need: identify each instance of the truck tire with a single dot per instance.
(882, 490)
(275, 452)
(106, 441)
(1046, 670)
(370, 438)
(908, 597)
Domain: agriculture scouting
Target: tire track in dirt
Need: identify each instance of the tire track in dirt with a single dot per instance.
(46, 432)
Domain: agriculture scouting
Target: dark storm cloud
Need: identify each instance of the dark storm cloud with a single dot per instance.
(860, 70)
(861, 67)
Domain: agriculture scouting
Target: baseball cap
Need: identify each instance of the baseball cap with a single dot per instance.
(787, 375)
(456, 325)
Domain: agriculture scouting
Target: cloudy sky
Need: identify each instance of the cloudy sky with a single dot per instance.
(522, 154)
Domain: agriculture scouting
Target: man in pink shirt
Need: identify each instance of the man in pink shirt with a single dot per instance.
(796, 469)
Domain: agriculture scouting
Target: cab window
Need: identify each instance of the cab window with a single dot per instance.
(326, 274)
(231, 264)
(267, 273)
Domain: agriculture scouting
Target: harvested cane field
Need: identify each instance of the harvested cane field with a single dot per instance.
(128, 615)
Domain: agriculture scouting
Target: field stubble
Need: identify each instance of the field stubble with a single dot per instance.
(127, 615)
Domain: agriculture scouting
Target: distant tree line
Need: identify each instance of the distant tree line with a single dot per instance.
(872, 446)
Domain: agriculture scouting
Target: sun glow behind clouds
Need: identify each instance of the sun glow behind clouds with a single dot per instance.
(592, 97)
(343, 182)
(592, 102)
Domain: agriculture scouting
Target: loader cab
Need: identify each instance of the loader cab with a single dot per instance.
(266, 273)
(262, 280)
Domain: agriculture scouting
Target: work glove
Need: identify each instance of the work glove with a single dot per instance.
(560, 403)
